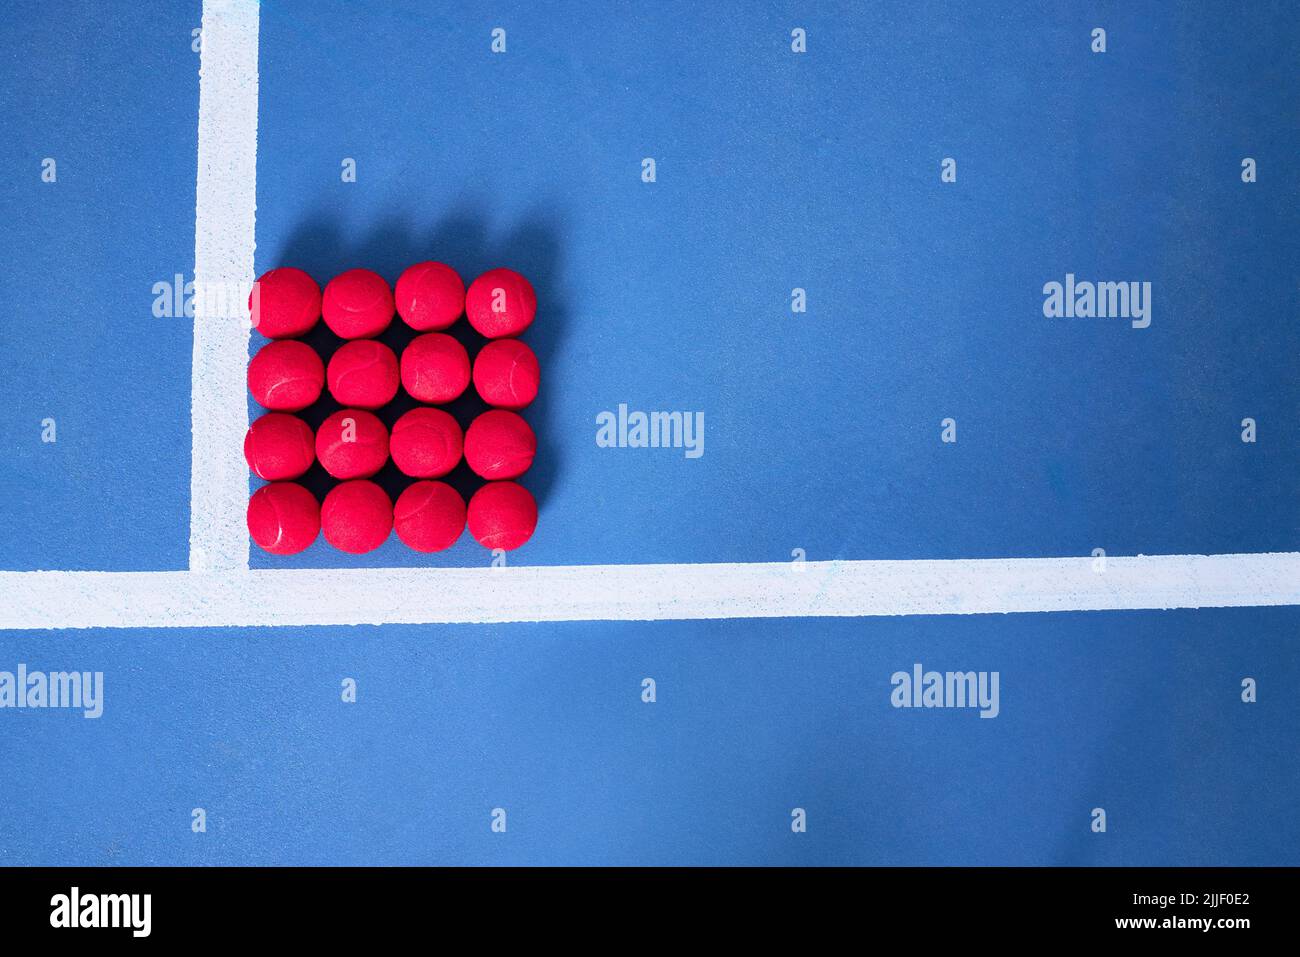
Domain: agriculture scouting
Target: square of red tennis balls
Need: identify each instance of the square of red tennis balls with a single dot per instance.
(500, 304)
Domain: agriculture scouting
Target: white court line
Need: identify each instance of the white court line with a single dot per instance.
(224, 212)
(641, 592)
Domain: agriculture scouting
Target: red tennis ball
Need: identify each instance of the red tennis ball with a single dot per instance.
(283, 518)
(357, 304)
(429, 516)
(352, 444)
(506, 374)
(435, 368)
(426, 443)
(499, 303)
(285, 302)
(278, 446)
(363, 374)
(286, 376)
(430, 296)
(500, 445)
(502, 515)
(356, 517)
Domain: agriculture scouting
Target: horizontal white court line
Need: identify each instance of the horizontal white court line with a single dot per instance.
(641, 592)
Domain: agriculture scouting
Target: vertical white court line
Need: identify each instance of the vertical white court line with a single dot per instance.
(224, 213)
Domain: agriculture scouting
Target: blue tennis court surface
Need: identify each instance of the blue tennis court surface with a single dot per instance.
(1137, 713)
(920, 405)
